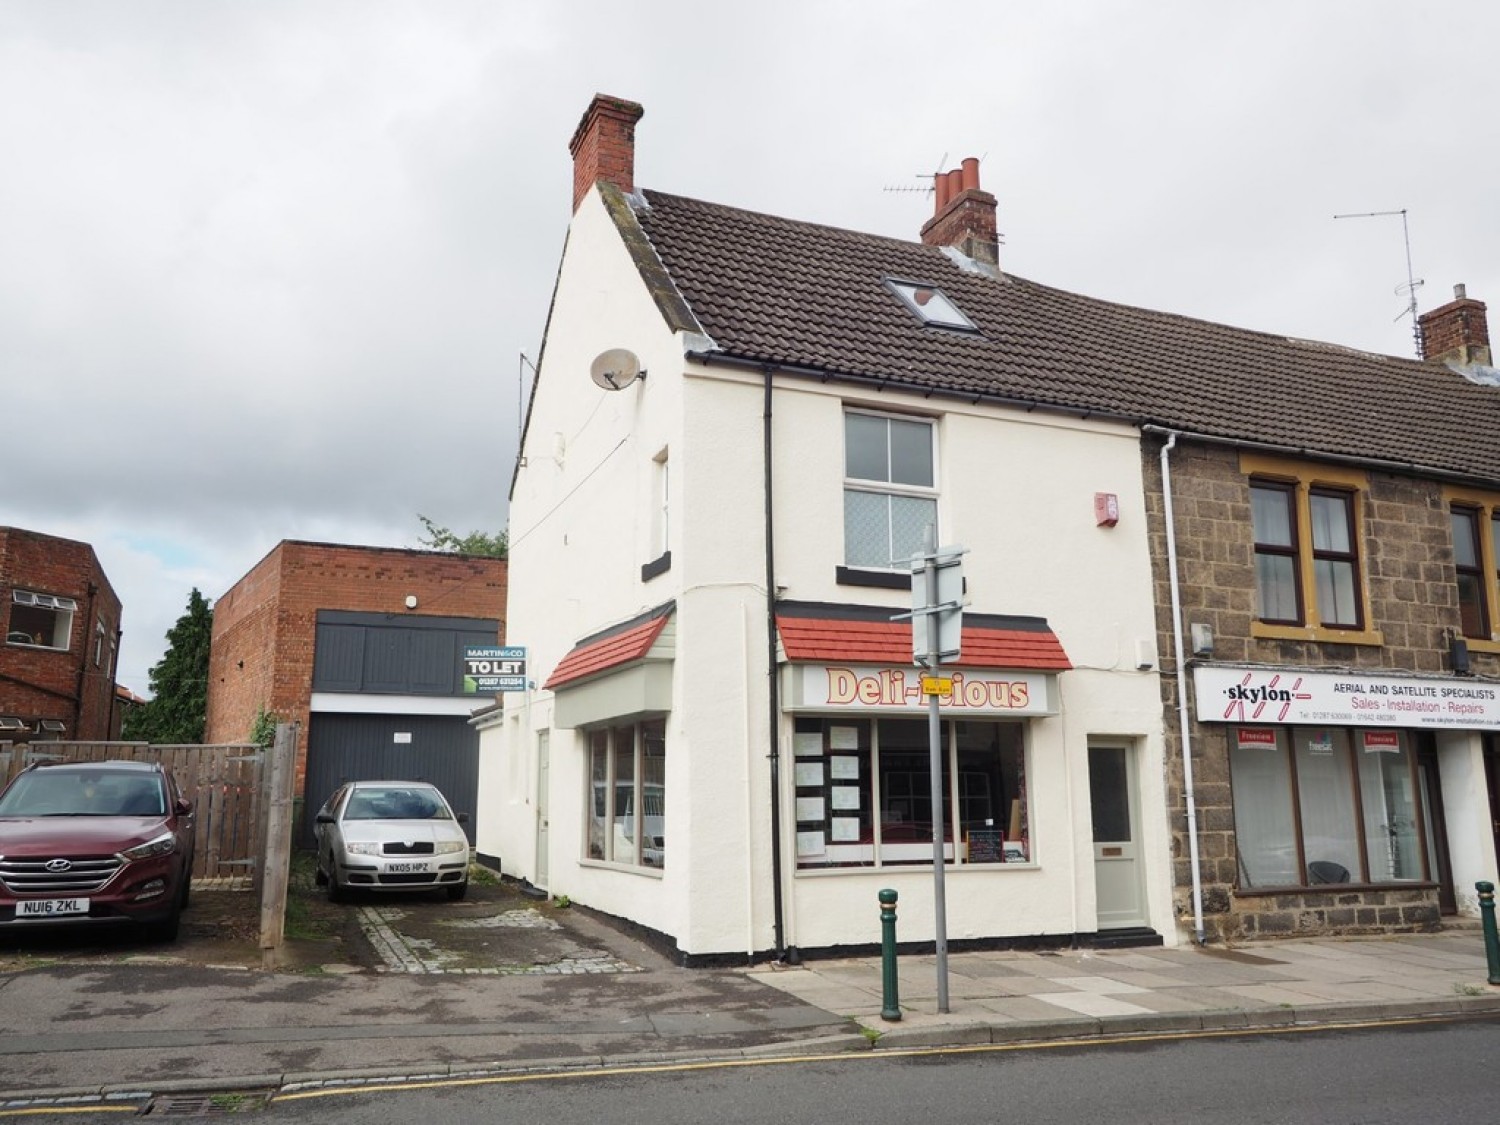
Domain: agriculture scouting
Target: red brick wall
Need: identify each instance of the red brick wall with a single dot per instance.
(265, 626)
(66, 686)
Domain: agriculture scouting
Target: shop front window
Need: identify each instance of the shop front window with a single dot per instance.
(1315, 806)
(864, 793)
(627, 794)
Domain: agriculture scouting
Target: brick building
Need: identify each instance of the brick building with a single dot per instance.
(61, 621)
(362, 647)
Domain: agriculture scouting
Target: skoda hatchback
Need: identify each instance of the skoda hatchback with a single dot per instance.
(95, 843)
(391, 836)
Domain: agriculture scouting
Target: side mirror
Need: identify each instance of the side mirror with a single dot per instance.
(463, 818)
(183, 806)
(325, 818)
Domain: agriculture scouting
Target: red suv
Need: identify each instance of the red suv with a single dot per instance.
(89, 843)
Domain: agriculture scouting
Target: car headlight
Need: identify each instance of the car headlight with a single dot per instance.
(445, 847)
(362, 847)
(165, 844)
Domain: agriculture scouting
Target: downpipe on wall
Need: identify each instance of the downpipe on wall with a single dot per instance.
(1182, 699)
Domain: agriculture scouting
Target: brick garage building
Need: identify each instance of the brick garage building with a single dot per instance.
(363, 647)
(62, 634)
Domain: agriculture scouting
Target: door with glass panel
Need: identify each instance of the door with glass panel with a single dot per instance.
(1117, 867)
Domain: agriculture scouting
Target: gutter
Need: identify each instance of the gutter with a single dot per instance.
(1182, 701)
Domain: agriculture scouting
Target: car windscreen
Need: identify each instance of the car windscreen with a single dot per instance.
(84, 793)
(396, 803)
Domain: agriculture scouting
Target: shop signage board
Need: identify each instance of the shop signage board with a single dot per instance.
(856, 688)
(494, 668)
(1264, 696)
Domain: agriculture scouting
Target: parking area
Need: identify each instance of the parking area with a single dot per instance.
(495, 930)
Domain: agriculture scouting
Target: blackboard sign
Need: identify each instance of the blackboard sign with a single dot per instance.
(986, 845)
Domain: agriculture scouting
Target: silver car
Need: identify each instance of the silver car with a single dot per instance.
(390, 836)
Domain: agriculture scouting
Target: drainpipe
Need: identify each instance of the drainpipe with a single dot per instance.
(1182, 701)
(773, 694)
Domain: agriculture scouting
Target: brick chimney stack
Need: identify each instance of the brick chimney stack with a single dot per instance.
(965, 216)
(1456, 332)
(603, 146)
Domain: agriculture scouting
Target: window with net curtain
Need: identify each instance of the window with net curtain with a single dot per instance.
(1316, 805)
(890, 495)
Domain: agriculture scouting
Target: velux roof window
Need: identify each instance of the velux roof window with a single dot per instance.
(931, 305)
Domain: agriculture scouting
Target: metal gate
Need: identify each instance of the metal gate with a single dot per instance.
(223, 782)
(441, 749)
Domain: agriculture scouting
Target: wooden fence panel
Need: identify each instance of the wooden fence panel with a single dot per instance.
(223, 782)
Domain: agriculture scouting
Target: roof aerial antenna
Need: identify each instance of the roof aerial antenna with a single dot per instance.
(927, 179)
(1412, 283)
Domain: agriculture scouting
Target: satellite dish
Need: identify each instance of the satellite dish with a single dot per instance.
(615, 369)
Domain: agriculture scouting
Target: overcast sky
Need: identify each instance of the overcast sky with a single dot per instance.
(267, 269)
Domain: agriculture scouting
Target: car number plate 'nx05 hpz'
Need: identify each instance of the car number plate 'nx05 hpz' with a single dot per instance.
(406, 868)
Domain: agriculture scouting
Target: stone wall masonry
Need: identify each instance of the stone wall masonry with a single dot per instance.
(1407, 561)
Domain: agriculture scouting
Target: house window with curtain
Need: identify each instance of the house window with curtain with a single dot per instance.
(1325, 805)
(1305, 527)
(1470, 571)
(627, 794)
(890, 488)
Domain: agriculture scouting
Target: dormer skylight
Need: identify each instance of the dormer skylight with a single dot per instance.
(931, 305)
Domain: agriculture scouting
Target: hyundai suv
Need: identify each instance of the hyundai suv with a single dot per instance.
(93, 843)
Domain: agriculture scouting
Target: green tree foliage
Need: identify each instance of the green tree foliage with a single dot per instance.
(263, 730)
(178, 709)
(495, 546)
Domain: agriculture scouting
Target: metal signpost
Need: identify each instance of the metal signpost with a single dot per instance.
(936, 627)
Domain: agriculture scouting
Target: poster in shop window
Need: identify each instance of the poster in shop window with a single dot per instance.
(809, 774)
(810, 844)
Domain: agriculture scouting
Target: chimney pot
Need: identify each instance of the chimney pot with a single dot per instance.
(1460, 291)
(964, 217)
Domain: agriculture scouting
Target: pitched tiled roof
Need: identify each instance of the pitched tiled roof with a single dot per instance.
(800, 295)
(813, 632)
(618, 645)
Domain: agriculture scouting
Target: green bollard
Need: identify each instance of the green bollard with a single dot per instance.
(890, 1008)
(1487, 918)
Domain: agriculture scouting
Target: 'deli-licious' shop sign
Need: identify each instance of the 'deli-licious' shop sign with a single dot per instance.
(966, 691)
(1271, 695)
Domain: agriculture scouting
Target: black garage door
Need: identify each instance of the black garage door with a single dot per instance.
(441, 749)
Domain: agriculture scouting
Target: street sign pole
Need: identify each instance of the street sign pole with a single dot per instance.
(937, 614)
(935, 761)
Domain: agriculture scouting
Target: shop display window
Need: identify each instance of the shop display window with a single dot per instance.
(1316, 806)
(627, 794)
(864, 793)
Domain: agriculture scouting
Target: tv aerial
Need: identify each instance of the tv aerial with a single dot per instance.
(615, 369)
(1409, 290)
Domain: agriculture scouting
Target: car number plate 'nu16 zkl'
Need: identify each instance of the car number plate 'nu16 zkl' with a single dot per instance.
(51, 907)
(406, 868)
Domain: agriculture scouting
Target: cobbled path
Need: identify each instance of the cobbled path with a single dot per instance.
(400, 953)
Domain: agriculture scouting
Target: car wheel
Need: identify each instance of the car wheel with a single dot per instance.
(335, 892)
(167, 929)
(319, 876)
(456, 891)
(187, 885)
